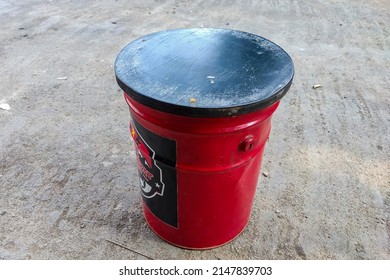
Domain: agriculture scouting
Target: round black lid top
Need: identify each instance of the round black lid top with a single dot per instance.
(204, 72)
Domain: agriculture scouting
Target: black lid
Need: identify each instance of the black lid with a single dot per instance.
(204, 72)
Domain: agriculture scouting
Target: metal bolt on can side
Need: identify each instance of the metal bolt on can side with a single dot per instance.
(201, 102)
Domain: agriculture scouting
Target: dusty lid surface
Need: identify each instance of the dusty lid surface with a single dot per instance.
(204, 72)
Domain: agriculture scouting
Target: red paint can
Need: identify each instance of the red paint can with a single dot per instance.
(201, 102)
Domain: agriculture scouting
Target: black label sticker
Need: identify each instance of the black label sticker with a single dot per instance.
(156, 162)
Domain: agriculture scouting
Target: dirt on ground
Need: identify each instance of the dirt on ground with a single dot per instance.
(68, 179)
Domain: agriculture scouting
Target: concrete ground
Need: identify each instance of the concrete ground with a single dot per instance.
(68, 181)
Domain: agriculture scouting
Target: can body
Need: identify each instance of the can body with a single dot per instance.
(213, 172)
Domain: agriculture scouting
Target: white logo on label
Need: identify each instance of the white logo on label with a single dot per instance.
(150, 173)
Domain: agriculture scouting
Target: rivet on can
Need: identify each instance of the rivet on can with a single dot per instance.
(247, 144)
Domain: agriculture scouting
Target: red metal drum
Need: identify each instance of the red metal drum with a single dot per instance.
(201, 102)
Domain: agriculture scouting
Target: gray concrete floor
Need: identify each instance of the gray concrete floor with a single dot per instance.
(68, 182)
